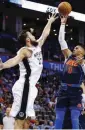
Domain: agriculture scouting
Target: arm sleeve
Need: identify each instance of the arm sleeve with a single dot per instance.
(61, 37)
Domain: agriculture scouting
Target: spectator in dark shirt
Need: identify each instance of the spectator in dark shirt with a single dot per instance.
(1, 121)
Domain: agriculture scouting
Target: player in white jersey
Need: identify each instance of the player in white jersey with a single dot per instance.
(30, 63)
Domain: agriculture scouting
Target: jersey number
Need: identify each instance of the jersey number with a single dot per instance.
(70, 69)
(40, 60)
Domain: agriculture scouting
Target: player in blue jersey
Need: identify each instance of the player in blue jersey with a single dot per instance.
(70, 93)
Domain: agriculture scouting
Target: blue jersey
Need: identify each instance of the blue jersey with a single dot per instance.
(72, 72)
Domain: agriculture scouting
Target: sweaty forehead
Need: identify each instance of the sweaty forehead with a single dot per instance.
(82, 48)
(28, 33)
(79, 47)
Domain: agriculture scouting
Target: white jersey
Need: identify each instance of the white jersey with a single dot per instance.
(35, 63)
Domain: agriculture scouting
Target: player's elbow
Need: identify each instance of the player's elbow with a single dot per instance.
(14, 62)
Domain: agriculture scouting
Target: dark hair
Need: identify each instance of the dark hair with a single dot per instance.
(83, 46)
(22, 37)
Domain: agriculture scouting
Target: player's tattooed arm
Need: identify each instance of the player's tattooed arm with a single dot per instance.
(14, 61)
(47, 29)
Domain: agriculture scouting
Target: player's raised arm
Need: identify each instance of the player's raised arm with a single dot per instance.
(47, 29)
(14, 61)
(61, 38)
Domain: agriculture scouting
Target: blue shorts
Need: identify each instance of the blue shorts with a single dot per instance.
(69, 98)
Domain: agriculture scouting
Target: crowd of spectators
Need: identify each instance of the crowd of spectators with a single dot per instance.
(7, 79)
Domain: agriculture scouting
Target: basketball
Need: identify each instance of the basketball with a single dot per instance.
(64, 8)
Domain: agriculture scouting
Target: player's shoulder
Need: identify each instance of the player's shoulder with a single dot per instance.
(24, 50)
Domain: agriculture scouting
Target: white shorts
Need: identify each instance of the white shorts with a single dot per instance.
(17, 91)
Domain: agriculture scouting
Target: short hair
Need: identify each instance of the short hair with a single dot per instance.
(22, 37)
(81, 45)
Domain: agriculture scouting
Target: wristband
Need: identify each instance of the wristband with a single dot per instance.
(62, 23)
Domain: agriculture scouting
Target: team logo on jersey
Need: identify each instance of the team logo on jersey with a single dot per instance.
(38, 55)
(21, 114)
(72, 63)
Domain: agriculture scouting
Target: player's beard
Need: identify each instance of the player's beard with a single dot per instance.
(34, 43)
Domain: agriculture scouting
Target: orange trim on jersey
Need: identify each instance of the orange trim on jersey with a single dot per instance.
(71, 63)
(70, 69)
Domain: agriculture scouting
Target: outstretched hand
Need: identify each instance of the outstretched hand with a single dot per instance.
(1, 64)
(53, 17)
